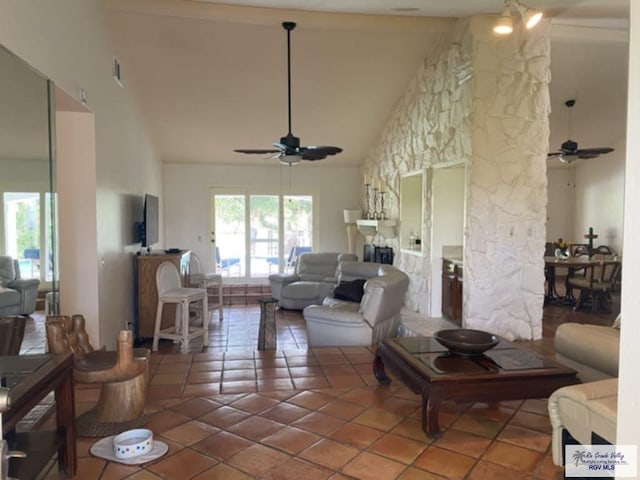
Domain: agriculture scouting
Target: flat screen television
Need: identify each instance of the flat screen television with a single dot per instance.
(150, 228)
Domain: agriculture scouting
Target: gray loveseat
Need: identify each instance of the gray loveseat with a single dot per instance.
(17, 295)
(314, 278)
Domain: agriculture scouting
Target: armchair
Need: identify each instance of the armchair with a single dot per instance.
(17, 295)
(348, 322)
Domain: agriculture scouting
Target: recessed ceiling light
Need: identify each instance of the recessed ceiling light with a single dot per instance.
(405, 9)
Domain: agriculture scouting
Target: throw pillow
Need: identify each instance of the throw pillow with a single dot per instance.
(350, 291)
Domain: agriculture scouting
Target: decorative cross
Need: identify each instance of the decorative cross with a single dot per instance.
(590, 236)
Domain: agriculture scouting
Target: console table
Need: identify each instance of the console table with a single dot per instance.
(30, 378)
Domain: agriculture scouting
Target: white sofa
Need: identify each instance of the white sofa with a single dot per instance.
(585, 413)
(314, 278)
(339, 322)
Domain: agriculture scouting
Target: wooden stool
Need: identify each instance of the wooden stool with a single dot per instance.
(123, 374)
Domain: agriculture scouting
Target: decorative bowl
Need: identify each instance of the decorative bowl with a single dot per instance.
(465, 341)
(133, 443)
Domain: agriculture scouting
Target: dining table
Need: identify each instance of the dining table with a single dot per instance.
(572, 264)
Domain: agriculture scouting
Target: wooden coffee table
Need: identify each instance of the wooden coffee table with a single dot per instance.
(506, 372)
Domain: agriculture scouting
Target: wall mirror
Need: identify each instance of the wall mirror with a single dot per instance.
(27, 216)
(412, 228)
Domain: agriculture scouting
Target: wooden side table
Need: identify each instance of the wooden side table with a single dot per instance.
(30, 378)
(267, 338)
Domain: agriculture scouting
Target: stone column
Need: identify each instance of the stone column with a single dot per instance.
(506, 193)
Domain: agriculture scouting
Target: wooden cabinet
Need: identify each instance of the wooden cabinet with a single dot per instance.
(147, 293)
(452, 281)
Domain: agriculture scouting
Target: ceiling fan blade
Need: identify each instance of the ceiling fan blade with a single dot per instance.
(312, 156)
(595, 151)
(554, 154)
(322, 150)
(258, 151)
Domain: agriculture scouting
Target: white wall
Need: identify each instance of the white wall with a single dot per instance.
(561, 193)
(629, 378)
(599, 198)
(75, 133)
(67, 41)
(186, 196)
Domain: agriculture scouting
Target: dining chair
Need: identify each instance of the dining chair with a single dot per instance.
(200, 279)
(171, 291)
(597, 283)
(603, 250)
(11, 334)
(579, 249)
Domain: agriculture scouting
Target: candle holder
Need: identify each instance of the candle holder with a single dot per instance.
(375, 214)
(382, 212)
(367, 214)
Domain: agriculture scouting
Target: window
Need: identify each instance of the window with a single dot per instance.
(256, 234)
(24, 232)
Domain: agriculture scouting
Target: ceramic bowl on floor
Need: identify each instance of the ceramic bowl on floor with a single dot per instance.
(133, 443)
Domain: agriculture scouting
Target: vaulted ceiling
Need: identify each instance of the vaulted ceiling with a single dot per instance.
(210, 76)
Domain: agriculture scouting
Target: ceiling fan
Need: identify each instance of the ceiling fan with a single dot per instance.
(569, 151)
(288, 149)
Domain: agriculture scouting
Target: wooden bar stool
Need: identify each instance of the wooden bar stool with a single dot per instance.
(170, 290)
(200, 279)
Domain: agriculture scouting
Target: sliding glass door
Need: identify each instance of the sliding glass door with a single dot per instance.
(255, 233)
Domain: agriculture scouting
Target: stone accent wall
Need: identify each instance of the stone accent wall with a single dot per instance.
(483, 101)
(430, 125)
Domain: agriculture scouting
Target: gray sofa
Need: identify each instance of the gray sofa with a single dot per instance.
(353, 321)
(17, 295)
(587, 412)
(314, 277)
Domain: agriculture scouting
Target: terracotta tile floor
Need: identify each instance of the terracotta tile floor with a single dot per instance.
(235, 413)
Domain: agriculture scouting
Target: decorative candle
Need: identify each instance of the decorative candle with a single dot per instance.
(366, 179)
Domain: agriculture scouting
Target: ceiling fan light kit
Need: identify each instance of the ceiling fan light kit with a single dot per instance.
(529, 16)
(288, 149)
